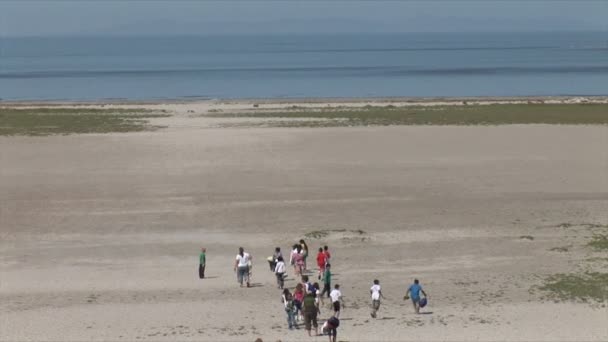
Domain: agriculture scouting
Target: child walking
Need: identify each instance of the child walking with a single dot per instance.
(279, 271)
(298, 298)
(336, 299)
(290, 309)
(376, 292)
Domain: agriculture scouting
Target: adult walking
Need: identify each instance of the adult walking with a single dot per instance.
(275, 258)
(331, 328)
(241, 266)
(298, 257)
(414, 292)
(321, 262)
(202, 260)
(310, 309)
(326, 281)
(304, 253)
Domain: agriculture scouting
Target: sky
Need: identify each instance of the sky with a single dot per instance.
(177, 17)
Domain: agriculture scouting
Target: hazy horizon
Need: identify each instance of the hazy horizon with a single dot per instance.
(154, 18)
(279, 34)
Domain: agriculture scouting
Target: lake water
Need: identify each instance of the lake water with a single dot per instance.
(354, 65)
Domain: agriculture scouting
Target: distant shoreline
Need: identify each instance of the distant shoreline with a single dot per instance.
(565, 99)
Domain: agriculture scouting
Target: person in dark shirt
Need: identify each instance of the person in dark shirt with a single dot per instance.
(202, 260)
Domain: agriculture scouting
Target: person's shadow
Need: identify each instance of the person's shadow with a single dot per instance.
(256, 285)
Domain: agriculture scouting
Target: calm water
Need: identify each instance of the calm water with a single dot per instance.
(304, 66)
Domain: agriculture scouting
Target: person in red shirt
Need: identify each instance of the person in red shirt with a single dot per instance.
(321, 261)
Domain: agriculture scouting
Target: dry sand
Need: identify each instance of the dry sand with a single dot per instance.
(100, 233)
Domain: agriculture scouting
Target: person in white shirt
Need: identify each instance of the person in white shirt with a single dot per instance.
(376, 292)
(242, 266)
(279, 271)
(336, 299)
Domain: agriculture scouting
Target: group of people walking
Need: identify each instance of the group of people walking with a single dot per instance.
(304, 302)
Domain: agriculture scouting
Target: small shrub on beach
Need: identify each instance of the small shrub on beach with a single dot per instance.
(599, 242)
(317, 234)
(590, 286)
(560, 249)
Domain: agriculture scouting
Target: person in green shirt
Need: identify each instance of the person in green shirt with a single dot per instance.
(201, 266)
(326, 281)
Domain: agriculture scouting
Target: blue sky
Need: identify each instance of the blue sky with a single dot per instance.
(141, 17)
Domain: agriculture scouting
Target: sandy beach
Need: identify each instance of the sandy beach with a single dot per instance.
(100, 233)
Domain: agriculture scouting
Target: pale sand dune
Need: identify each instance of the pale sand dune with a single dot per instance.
(100, 233)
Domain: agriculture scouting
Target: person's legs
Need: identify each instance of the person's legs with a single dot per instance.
(239, 275)
(298, 310)
(416, 302)
(290, 321)
(201, 271)
(243, 275)
(247, 275)
(307, 322)
(336, 309)
(293, 318)
(375, 307)
(315, 324)
(333, 334)
(326, 288)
